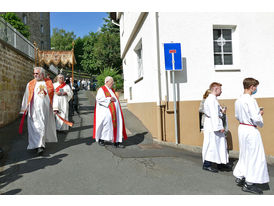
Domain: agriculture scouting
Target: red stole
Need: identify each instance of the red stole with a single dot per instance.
(113, 113)
(60, 86)
(31, 87)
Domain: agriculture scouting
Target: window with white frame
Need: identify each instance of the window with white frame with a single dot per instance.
(222, 42)
(139, 54)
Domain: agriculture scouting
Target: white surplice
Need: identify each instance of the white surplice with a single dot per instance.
(252, 163)
(61, 103)
(104, 127)
(41, 123)
(214, 145)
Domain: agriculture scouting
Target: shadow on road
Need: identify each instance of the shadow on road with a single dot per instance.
(16, 171)
(135, 139)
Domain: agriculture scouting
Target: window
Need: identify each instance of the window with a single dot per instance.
(130, 93)
(42, 28)
(42, 45)
(139, 54)
(41, 16)
(25, 19)
(222, 42)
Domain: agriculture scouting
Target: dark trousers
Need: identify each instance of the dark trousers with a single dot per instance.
(207, 163)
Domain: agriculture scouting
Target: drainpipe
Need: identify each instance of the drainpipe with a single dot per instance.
(159, 98)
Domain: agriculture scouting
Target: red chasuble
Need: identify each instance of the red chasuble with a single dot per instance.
(113, 113)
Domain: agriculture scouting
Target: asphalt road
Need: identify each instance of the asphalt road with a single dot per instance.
(77, 165)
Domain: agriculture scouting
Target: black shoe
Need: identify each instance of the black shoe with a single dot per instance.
(224, 167)
(240, 182)
(210, 169)
(40, 150)
(118, 145)
(252, 189)
(101, 142)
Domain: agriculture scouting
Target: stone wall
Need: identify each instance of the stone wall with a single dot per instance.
(16, 70)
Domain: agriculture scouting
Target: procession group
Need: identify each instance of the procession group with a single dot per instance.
(46, 105)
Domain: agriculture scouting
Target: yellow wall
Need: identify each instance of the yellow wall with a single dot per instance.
(188, 122)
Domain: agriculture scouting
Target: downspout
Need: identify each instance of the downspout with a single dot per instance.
(159, 98)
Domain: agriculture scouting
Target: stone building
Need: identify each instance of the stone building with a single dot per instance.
(39, 25)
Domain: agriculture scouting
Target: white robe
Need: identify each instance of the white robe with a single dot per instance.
(41, 123)
(104, 127)
(61, 104)
(252, 164)
(214, 145)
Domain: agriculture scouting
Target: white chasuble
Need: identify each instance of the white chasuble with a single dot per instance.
(61, 103)
(103, 124)
(41, 123)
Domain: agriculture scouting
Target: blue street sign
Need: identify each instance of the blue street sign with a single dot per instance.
(173, 49)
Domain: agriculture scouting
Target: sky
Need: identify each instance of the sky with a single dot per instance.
(81, 23)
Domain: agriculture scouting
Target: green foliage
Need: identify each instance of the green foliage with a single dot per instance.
(96, 54)
(78, 52)
(102, 49)
(114, 73)
(16, 22)
(62, 40)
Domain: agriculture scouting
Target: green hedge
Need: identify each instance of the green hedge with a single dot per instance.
(118, 79)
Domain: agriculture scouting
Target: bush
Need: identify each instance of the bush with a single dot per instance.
(114, 73)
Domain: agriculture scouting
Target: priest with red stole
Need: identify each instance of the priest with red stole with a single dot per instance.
(62, 95)
(37, 103)
(108, 117)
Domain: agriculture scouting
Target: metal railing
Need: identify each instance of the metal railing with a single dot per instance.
(14, 38)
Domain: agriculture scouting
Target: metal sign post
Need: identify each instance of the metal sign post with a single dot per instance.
(173, 63)
(174, 95)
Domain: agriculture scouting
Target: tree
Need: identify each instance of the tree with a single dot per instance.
(78, 52)
(114, 73)
(102, 49)
(62, 40)
(16, 22)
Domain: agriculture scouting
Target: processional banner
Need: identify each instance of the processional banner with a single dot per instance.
(56, 58)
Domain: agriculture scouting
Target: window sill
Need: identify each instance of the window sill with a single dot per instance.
(139, 79)
(229, 68)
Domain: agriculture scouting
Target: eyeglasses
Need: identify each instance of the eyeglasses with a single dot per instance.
(35, 73)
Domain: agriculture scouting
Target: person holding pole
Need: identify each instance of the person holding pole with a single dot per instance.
(214, 144)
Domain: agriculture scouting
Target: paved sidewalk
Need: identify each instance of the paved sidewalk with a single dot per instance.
(78, 165)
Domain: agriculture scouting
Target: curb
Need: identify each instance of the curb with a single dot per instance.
(198, 150)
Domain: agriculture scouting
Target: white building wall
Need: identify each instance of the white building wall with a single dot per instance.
(146, 90)
(253, 51)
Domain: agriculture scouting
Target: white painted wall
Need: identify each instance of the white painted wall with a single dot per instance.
(253, 43)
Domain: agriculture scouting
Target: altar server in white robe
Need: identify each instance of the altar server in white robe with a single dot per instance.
(214, 144)
(108, 116)
(251, 167)
(62, 96)
(37, 102)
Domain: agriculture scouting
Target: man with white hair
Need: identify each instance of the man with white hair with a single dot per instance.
(37, 102)
(108, 116)
(62, 95)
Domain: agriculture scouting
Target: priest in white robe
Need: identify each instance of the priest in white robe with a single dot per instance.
(251, 167)
(37, 103)
(214, 144)
(108, 117)
(62, 96)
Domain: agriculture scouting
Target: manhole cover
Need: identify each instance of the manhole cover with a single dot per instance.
(150, 146)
